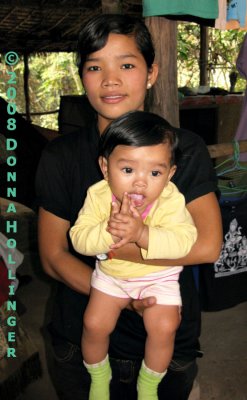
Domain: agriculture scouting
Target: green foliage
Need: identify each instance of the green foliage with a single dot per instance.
(223, 53)
(51, 75)
(188, 54)
(224, 47)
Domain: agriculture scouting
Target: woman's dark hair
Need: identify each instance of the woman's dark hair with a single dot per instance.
(94, 36)
(138, 129)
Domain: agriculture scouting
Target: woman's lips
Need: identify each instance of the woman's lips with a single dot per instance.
(113, 99)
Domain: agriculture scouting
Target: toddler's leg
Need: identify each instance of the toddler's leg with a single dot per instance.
(161, 323)
(100, 377)
(99, 321)
(148, 382)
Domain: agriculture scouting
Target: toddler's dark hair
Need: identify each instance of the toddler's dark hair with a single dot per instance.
(138, 129)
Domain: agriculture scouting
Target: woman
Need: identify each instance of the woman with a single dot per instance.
(116, 63)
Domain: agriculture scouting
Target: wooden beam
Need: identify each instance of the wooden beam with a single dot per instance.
(226, 149)
(26, 87)
(164, 95)
(203, 62)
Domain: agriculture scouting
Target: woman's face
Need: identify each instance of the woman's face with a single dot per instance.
(116, 78)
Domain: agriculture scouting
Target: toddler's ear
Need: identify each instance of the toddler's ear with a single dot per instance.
(103, 166)
(172, 172)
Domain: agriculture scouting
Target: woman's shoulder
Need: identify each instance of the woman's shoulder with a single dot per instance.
(67, 140)
(188, 139)
(78, 143)
(192, 151)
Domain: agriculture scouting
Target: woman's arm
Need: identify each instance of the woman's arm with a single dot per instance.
(62, 265)
(56, 259)
(205, 212)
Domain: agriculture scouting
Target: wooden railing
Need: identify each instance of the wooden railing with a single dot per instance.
(226, 149)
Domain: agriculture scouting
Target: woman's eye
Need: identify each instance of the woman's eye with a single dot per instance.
(127, 66)
(155, 173)
(93, 68)
(127, 170)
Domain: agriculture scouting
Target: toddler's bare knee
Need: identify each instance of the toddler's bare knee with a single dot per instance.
(165, 327)
(91, 323)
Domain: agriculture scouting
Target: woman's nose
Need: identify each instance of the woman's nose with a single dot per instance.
(111, 78)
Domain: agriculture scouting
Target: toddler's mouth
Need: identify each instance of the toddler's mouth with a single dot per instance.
(138, 199)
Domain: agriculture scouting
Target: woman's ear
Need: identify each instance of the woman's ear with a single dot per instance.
(152, 75)
(104, 167)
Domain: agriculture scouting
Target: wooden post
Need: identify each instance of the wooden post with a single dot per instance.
(203, 63)
(164, 95)
(111, 6)
(26, 87)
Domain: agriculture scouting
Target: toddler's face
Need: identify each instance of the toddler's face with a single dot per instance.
(142, 172)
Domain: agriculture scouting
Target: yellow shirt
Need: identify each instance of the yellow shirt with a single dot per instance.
(171, 231)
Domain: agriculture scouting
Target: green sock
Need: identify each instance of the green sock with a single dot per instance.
(147, 383)
(100, 377)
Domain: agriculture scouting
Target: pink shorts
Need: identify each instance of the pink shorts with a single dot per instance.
(162, 284)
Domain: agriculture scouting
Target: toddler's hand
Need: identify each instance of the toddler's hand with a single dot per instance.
(126, 224)
(115, 208)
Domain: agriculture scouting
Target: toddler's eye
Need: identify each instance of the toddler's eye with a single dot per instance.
(127, 170)
(155, 173)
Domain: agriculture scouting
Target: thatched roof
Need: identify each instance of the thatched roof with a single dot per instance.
(28, 26)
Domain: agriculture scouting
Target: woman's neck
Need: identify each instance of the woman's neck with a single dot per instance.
(102, 124)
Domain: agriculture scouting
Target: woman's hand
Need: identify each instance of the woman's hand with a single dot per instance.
(140, 305)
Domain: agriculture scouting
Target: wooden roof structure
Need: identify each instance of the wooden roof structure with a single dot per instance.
(31, 26)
